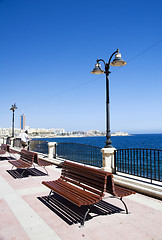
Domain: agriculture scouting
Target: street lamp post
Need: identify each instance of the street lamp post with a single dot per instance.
(117, 62)
(13, 108)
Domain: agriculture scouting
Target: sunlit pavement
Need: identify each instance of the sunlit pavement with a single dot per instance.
(26, 213)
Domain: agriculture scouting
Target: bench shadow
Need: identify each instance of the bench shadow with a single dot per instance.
(16, 173)
(7, 158)
(73, 214)
(3, 158)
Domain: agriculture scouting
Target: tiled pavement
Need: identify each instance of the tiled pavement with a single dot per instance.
(26, 214)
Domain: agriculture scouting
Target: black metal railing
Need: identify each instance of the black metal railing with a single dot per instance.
(17, 142)
(146, 163)
(38, 146)
(81, 153)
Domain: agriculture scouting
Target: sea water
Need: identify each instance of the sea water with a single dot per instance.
(150, 141)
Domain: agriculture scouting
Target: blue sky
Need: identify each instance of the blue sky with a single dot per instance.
(48, 49)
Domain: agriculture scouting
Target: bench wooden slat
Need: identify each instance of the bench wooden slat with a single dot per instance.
(75, 166)
(27, 156)
(85, 187)
(95, 178)
(72, 189)
(43, 163)
(72, 193)
(20, 164)
(87, 195)
(115, 190)
(77, 172)
(122, 192)
(88, 180)
(76, 196)
(65, 193)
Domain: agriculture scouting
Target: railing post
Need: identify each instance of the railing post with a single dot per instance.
(1, 141)
(12, 142)
(52, 149)
(108, 163)
(4, 140)
(55, 150)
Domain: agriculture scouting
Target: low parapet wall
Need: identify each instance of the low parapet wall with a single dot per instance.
(139, 185)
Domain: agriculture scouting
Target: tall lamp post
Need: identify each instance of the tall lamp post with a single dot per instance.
(13, 108)
(117, 62)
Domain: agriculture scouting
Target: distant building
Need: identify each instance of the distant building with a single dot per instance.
(22, 122)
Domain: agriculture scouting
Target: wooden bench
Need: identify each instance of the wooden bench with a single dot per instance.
(117, 191)
(81, 185)
(25, 161)
(4, 148)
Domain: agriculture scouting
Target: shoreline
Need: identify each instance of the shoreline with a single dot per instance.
(81, 136)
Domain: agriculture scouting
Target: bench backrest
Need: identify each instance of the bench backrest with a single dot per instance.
(88, 178)
(28, 156)
(110, 188)
(116, 190)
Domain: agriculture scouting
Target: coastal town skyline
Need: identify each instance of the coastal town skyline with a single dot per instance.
(51, 133)
(49, 49)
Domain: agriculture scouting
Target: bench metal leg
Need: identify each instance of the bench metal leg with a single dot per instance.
(88, 210)
(49, 195)
(22, 173)
(45, 170)
(126, 209)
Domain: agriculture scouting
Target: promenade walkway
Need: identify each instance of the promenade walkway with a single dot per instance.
(25, 213)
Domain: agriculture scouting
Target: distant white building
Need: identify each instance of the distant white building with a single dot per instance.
(59, 131)
(8, 131)
(44, 131)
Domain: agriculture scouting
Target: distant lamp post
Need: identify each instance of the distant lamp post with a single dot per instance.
(13, 108)
(117, 62)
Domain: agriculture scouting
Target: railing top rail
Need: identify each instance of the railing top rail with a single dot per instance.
(79, 144)
(139, 149)
(36, 140)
